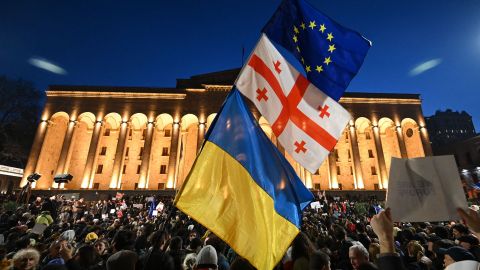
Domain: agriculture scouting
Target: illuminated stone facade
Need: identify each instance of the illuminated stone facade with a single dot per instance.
(147, 138)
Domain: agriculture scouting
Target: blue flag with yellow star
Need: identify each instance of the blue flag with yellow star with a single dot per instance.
(330, 53)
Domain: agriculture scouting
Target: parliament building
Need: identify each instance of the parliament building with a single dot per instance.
(134, 138)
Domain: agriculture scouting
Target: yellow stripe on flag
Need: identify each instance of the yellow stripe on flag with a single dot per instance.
(222, 196)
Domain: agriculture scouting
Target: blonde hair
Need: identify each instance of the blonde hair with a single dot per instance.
(26, 253)
(415, 248)
(374, 250)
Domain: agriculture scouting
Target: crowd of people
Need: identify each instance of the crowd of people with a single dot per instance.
(143, 233)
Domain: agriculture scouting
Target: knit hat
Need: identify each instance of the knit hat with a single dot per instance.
(68, 235)
(207, 257)
(91, 237)
(122, 260)
(457, 253)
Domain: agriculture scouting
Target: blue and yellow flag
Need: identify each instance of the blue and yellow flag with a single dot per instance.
(243, 189)
(330, 53)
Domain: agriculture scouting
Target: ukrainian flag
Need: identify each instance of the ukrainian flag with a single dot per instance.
(243, 189)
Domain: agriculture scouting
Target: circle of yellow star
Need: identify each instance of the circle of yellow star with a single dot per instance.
(295, 39)
(331, 48)
(308, 69)
(295, 29)
(322, 28)
(319, 69)
(298, 49)
(303, 26)
(312, 25)
(327, 60)
(329, 37)
(303, 60)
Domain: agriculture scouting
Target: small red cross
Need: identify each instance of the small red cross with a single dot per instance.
(324, 111)
(262, 94)
(300, 147)
(277, 66)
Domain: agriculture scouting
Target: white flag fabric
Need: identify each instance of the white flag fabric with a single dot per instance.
(306, 122)
(425, 189)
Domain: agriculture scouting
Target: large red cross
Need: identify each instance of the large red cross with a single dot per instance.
(323, 110)
(290, 104)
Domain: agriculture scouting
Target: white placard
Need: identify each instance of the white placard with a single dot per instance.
(425, 189)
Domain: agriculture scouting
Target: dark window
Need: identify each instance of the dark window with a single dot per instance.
(374, 170)
(130, 134)
(163, 169)
(351, 170)
(376, 187)
(144, 133)
(167, 133)
(370, 153)
(140, 154)
(161, 185)
(165, 151)
(96, 185)
(124, 169)
(367, 135)
(340, 186)
(410, 132)
(336, 154)
(317, 186)
(126, 151)
(99, 169)
(349, 155)
(338, 170)
(138, 169)
(103, 152)
(136, 186)
(107, 132)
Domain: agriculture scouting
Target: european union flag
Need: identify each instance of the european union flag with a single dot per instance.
(330, 53)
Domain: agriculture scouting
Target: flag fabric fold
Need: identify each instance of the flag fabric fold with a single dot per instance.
(243, 189)
(305, 120)
(330, 53)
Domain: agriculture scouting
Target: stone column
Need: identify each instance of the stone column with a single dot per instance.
(89, 171)
(147, 149)
(382, 175)
(357, 172)
(62, 160)
(332, 171)
(201, 136)
(172, 159)
(119, 155)
(427, 147)
(401, 142)
(35, 151)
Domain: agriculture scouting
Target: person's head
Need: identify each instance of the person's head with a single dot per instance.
(101, 246)
(192, 235)
(414, 248)
(319, 260)
(175, 243)
(195, 245)
(339, 233)
(26, 259)
(54, 250)
(459, 230)
(455, 254)
(123, 239)
(358, 255)
(86, 256)
(301, 247)
(216, 242)
(207, 258)
(468, 241)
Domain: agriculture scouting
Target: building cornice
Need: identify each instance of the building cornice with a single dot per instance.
(372, 100)
(92, 94)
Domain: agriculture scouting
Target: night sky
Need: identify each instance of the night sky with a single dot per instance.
(151, 43)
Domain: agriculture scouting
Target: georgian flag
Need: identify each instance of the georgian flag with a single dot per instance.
(306, 122)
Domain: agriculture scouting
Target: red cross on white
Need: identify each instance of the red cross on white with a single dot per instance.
(306, 122)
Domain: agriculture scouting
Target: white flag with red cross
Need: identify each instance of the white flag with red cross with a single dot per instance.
(306, 121)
